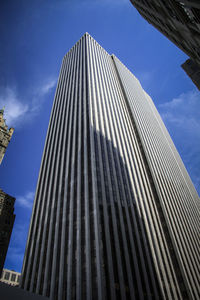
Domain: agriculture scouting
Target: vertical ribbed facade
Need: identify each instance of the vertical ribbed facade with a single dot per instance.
(115, 213)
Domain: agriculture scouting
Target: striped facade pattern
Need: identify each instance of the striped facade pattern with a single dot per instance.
(115, 213)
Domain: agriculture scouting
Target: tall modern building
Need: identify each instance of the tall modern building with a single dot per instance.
(7, 218)
(5, 135)
(115, 215)
(179, 21)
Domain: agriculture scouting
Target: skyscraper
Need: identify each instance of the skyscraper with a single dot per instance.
(5, 135)
(179, 21)
(115, 213)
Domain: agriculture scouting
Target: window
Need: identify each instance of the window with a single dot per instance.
(13, 277)
(7, 276)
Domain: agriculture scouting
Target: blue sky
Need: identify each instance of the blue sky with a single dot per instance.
(34, 37)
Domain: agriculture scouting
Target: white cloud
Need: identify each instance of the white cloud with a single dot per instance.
(184, 112)
(14, 109)
(26, 201)
(45, 89)
(188, 98)
(145, 78)
(182, 119)
(18, 112)
(174, 103)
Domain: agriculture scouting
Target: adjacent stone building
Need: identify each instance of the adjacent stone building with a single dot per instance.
(7, 218)
(192, 69)
(10, 277)
(115, 215)
(179, 21)
(5, 135)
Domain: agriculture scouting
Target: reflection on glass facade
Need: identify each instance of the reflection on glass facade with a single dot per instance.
(115, 213)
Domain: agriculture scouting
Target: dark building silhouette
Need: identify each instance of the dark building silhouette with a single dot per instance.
(7, 218)
(115, 214)
(9, 292)
(179, 21)
(193, 71)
